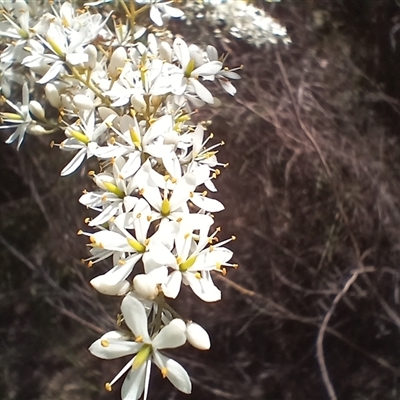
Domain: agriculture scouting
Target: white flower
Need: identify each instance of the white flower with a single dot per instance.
(126, 248)
(85, 138)
(185, 78)
(192, 262)
(159, 9)
(21, 120)
(147, 349)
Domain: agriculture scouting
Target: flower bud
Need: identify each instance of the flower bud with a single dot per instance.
(83, 102)
(197, 336)
(91, 51)
(138, 103)
(52, 95)
(36, 109)
(145, 286)
(101, 285)
(117, 62)
(66, 101)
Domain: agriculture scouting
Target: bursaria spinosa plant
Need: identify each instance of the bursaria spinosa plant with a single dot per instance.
(124, 91)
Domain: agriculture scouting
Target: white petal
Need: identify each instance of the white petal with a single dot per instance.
(121, 272)
(210, 68)
(135, 317)
(172, 286)
(207, 204)
(75, 163)
(181, 51)
(111, 241)
(176, 374)
(161, 255)
(227, 86)
(203, 288)
(130, 202)
(173, 11)
(155, 16)
(53, 71)
(202, 91)
(169, 337)
(195, 221)
(133, 386)
(113, 345)
(105, 215)
(182, 191)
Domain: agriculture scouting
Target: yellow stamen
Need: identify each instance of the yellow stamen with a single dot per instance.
(108, 387)
(105, 343)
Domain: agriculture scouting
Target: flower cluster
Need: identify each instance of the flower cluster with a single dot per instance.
(239, 18)
(125, 92)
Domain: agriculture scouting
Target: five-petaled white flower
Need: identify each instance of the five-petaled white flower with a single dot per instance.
(147, 348)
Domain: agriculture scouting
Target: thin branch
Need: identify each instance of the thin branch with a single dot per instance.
(324, 326)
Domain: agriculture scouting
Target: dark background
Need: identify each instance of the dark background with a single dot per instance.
(312, 194)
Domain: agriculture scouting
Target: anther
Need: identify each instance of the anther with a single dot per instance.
(105, 343)
(108, 387)
(80, 232)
